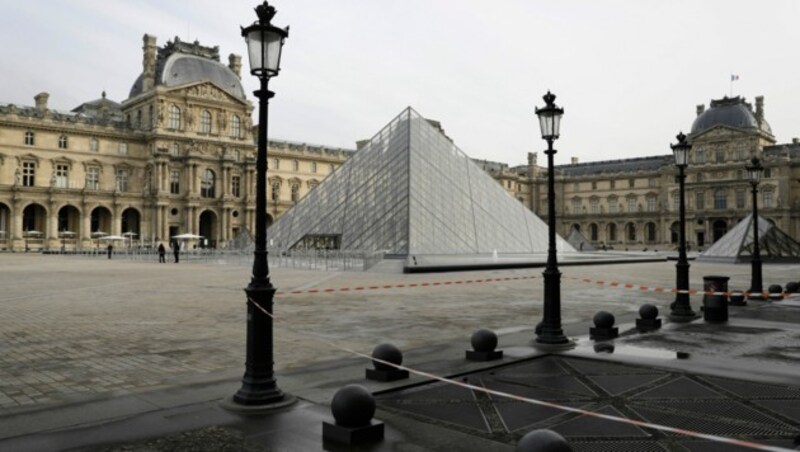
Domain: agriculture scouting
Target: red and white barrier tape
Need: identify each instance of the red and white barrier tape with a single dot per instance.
(601, 282)
(405, 286)
(664, 428)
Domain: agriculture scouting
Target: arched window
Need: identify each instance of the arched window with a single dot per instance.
(612, 232)
(207, 184)
(236, 126)
(593, 232)
(174, 117)
(205, 122)
(295, 192)
(631, 232)
(62, 142)
(650, 232)
(276, 191)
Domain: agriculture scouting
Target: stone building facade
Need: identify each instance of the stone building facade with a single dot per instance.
(633, 203)
(177, 156)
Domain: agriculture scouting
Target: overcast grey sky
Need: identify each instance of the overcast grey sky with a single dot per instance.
(628, 73)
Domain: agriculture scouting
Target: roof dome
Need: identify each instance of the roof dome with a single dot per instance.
(180, 63)
(731, 112)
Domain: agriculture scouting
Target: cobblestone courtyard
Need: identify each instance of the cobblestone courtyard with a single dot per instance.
(73, 328)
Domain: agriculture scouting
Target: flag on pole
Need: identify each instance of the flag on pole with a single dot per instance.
(734, 77)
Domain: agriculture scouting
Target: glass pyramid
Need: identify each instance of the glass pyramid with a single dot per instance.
(411, 191)
(737, 244)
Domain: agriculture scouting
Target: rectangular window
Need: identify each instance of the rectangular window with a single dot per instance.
(175, 182)
(631, 204)
(29, 138)
(576, 186)
(576, 206)
(700, 200)
(631, 183)
(700, 156)
(92, 178)
(28, 174)
(613, 207)
(276, 164)
(767, 200)
(720, 200)
(313, 167)
(719, 156)
(611, 184)
(62, 176)
(122, 180)
(236, 186)
(595, 205)
(651, 182)
(740, 199)
(123, 149)
(676, 201)
(651, 204)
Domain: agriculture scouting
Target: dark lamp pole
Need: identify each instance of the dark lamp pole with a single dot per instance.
(680, 309)
(549, 331)
(754, 171)
(259, 389)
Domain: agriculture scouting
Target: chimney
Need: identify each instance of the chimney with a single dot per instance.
(532, 164)
(148, 62)
(700, 109)
(41, 101)
(760, 108)
(574, 160)
(361, 143)
(795, 140)
(235, 64)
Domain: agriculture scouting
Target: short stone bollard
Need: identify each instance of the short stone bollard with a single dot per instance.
(775, 292)
(792, 287)
(484, 343)
(352, 408)
(715, 300)
(649, 320)
(604, 328)
(737, 298)
(543, 441)
(386, 372)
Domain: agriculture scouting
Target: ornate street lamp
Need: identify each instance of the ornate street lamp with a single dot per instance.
(754, 170)
(680, 309)
(549, 332)
(259, 389)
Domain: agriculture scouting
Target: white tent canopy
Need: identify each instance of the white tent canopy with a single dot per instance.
(187, 236)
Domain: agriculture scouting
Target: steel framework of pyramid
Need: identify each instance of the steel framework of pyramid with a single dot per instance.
(412, 191)
(737, 244)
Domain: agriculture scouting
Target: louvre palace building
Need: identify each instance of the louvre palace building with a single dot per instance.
(178, 157)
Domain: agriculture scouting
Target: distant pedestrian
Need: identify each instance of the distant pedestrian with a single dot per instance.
(162, 252)
(176, 250)
(110, 250)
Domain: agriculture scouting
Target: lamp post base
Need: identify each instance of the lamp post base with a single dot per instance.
(683, 317)
(569, 344)
(230, 404)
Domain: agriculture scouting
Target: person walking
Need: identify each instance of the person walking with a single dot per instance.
(176, 250)
(162, 252)
(110, 250)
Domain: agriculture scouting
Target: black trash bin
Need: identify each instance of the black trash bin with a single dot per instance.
(715, 306)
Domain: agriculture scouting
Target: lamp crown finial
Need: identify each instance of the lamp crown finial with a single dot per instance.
(265, 12)
(549, 99)
(681, 137)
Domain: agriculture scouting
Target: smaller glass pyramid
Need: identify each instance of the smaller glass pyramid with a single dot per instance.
(412, 191)
(737, 245)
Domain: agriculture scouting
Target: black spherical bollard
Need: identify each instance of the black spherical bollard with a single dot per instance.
(648, 312)
(649, 320)
(792, 287)
(775, 292)
(352, 407)
(483, 340)
(383, 371)
(737, 298)
(389, 353)
(484, 343)
(604, 319)
(543, 441)
(604, 326)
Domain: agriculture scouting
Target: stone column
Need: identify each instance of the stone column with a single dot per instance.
(224, 221)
